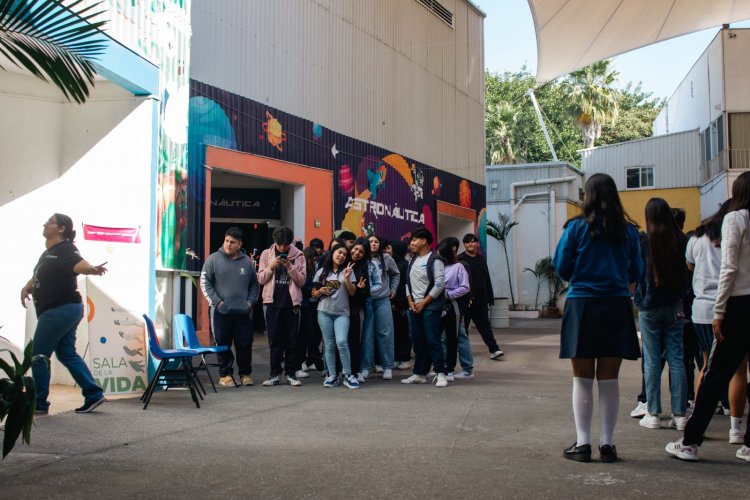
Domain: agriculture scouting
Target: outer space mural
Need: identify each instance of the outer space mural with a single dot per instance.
(375, 191)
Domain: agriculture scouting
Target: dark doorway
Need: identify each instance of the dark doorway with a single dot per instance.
(256, 236)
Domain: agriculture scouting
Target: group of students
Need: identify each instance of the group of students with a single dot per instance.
(607, 261)
(369, 301)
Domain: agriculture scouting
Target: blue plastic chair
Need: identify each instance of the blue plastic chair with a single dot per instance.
(165, 376)
(183, 333)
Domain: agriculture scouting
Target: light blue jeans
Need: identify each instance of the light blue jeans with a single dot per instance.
(662, 326)
(465, 357)
(56, 332)
(378, 328)
(335, 331)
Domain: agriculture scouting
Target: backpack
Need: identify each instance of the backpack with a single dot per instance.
(430, 274)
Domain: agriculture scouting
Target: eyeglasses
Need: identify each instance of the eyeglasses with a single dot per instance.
(50, 222)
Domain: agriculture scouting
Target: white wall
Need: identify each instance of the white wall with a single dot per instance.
(713, 194)
(453, 226)
(736, 69)
(95, 166)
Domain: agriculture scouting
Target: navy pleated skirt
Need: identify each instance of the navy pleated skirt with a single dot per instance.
(599, 327)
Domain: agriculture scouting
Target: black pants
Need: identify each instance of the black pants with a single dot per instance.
(450, 328)
(237, 329)
(723, 361)
(401, 340)
(688, 349)
(310, 336)
(480, 314)
(282, 325)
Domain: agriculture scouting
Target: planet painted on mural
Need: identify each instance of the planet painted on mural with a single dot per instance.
(317, 131)
(464, 194)
(437, 186)
(346, 181)
(274, 132)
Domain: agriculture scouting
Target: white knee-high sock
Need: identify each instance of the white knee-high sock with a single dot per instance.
(609, 405)
(583, 408)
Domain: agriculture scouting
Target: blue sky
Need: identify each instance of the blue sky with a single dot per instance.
(509, 42)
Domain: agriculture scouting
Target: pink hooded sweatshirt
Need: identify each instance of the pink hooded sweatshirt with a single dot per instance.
(297, 273)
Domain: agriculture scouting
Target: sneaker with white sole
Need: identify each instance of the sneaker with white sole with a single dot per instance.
(683, 452)
(378, 369)
(246, 380)
(743, 453)
(640, 410)
(678, 422)
(272, 381)
(441, 380)
(330, 382)
(650, 421)
(415, 379)
(736, 436)
(293, 381)
(360, 378)
(306, 367)
(497, 354)
(431, 374)
(364, 373)
(450, 377)
(462, 375)
(402, 365)
(302, 374)
(387, 374)
(226, 381)
(90, 406)
(351, 382)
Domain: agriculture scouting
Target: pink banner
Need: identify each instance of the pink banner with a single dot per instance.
(116, 234)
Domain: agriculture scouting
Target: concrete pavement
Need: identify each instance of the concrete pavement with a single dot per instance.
(500, 435)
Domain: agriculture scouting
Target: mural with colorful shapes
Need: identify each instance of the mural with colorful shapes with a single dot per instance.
(375, 190)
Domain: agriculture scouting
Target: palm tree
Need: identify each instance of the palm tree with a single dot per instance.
(500, 131)
(501, 231)
(53, 41)
(593, 100)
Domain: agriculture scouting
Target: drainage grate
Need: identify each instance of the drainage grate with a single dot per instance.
(439, 10)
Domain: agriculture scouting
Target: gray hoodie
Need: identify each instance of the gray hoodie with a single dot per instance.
(383, 283)
(231, 282)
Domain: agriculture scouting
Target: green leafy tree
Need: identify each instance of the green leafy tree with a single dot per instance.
(54, 40)
(593, 100)
(638, 110)
(501, 231)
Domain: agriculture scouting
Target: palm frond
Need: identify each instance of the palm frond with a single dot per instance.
(53, 41)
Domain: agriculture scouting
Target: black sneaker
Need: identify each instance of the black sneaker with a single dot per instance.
(578, 453)
(608, 454)
(90, 406)
(40, 411)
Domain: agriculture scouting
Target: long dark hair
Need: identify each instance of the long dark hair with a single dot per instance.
(602, 209)
(445, 249)
(379, 254)
(741, 193)
(66, 222)
(398, 251)
(712, 227)
(665, 244)
(327, 266)
(311, 255)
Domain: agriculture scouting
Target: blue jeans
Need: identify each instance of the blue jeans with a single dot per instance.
(335, 331)
(378, 328)
(426, 334)
(56, 332)
(465, 357)
(663, 326)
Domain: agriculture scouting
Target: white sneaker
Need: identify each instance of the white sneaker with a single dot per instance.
(639, 410)
(431, 374)
(305, 367)
(414, 379)
(302, 374)
(378, 369)
(462, 375)
(736, 436)
(744, 453)
(360, 378)
(441, 380)
(650, 421)
(402, 365)
(364, 374)
(293, 381)
(387, 374)
(678, 422)
(683, 452)
(497, 354)
(449, 377)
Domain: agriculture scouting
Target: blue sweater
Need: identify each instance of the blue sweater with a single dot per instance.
(597, 268)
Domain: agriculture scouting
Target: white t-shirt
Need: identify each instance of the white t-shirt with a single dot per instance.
(337, 303)
(706, 258)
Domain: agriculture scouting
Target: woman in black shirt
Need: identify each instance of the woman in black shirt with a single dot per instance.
(59, 309)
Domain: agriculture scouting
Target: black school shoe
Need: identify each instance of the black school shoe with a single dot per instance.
(90, 406)
(608, 453)
(578, 453)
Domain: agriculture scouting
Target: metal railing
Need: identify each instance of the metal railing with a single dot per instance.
(727, 159)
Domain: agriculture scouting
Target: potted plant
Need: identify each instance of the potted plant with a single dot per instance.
(18, 397)
(539, 273)
(556, 286)
(500, 231)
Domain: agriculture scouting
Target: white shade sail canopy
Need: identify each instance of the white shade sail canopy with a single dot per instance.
(572, 34)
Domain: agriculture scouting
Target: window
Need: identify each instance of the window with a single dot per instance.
(639, 177)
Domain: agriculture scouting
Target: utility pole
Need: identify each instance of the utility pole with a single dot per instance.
(541, 122)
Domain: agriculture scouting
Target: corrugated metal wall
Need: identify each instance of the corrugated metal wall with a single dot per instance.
(388, 72)
(499, 179)
(676, 159)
